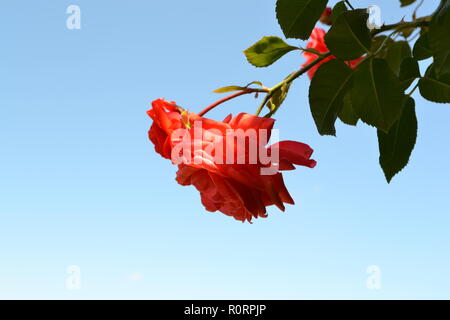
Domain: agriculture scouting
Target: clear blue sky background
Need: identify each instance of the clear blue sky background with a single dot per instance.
(80, 184)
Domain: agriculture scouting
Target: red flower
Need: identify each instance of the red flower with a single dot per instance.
(237, 189)
(317, 42)
(166, 119)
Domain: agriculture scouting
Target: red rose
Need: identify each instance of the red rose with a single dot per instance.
(237, 188)
(166, 118)
(317, 42)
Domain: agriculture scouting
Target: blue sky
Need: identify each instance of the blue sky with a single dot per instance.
(81, 184)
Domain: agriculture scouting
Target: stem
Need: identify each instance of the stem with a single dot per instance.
(298, 73)
(413, 89)
(234, 95)
(263, 103)
(313, 51)
(418, 7)
(349, 4)
(421, 22)
(289, 79)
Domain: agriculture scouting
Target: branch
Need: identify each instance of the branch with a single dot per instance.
(420, 22)
(288, 80)
(349, 4)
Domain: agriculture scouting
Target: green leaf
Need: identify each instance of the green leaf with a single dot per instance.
(267, 50)
(347, 114)
(349, 37)
(377, 96)
(278, 97)
(397, 145)
(229, 89)
(326, 94)
(338, 9)
(377, 42)
(439, 38)
(422, 48)
(435, 88)
(409, 71)
(395, 53)
(259, 83)
(297, 18)
(236, 88)
(406, 2)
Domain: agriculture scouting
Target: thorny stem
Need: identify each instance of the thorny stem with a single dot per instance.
(397, 27)
(420, 22)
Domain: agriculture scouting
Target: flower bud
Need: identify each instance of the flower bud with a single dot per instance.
(326, 16)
